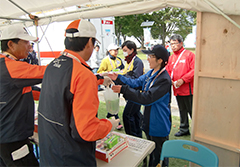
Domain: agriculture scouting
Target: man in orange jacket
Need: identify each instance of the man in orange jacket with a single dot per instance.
(16, 97)
(181, 70)
(67, 123)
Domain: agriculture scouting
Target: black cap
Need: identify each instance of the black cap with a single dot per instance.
(159, 51)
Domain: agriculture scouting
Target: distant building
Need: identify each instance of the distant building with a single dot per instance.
(190, 40)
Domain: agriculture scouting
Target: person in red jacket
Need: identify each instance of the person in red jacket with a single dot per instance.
(181, 70)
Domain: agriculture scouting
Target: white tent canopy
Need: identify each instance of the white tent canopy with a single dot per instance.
(63, 10)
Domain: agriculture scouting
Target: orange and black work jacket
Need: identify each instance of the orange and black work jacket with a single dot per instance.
(16, 99)
(67, 122)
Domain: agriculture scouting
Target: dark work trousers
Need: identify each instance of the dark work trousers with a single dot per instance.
(185, 108)
(156, 154)
(8, 148)
(132, 119)
(1, 162)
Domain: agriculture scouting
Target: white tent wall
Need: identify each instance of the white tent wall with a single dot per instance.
(217, 67)
(52, 43)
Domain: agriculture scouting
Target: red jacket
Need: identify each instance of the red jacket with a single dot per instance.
(183, 70)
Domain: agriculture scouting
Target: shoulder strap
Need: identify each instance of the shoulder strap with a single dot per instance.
(176, 63)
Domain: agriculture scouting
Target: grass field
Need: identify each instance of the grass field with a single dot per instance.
(175, 124)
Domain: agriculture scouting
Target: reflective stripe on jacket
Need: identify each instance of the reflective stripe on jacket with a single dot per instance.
(134, 69)
(109, 64)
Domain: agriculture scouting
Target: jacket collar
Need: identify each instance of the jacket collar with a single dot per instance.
(77, 56)
(9, 55)
(112, 57)
(179, 51)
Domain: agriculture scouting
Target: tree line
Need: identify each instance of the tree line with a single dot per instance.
(167, 21)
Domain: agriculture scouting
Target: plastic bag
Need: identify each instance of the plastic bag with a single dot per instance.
(112, 101)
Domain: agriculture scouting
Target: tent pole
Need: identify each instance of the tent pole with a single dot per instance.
(47, 41)
(38, 51)
(102, 42)
(44, 32)
(19, 7)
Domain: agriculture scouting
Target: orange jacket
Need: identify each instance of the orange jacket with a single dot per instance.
(68, 107)
(17, 105)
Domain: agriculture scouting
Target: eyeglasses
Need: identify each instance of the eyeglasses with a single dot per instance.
(174, 44)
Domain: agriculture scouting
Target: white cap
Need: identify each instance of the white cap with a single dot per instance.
(84, 27)
(112, 46)
(16, 31)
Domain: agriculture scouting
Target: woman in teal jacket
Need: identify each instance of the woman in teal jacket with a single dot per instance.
(155, 95)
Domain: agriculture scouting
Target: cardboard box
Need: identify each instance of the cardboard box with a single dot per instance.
(106, 154)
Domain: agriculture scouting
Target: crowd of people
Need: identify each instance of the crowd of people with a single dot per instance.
(68, 126)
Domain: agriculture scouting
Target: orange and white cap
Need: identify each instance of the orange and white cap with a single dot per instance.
(84, 27)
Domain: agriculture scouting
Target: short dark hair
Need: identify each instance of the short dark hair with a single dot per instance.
(107, 52)
(4, 43)
(177, 37)
(130, 45)
(77, 43)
